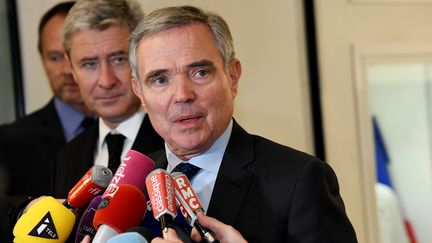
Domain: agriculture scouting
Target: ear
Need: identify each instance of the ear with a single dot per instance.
(234, 72)
(137, 91)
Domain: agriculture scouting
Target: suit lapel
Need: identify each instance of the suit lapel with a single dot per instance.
(52, 130)
(233, 180)
(74, 160)
(147, 140)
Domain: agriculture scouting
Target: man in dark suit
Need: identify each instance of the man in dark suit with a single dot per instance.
(28, 147)
(96, 42)
(186, 75)
(95, 39)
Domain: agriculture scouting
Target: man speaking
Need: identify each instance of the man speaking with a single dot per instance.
(186, 75)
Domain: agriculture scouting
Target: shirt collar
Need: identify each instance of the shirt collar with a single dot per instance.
(69, 117)
(128, 128)
(211, 159)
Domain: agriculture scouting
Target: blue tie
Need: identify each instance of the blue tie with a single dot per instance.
(188, 169)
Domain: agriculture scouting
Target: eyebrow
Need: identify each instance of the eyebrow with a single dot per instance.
(155, 73)
(117, 53)
(92, 58)
(201, 63)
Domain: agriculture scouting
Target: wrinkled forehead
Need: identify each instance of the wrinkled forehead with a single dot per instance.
(179, 45)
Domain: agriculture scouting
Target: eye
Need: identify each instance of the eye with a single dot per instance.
(89, 64)
(119, 59)
(55, 57)
(201, 73)
(159, 81)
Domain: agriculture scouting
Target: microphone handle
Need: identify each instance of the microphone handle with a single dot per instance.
(166, 221)
(205, 233)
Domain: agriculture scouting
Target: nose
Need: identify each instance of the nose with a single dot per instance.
(107, 78)
(184, 91)
(66, 67)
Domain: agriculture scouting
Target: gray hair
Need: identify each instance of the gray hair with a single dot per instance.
(99, 15)
(171, 17)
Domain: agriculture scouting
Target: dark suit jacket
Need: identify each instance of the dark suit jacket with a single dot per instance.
(77, 156)
(273, 193)
(28, 148)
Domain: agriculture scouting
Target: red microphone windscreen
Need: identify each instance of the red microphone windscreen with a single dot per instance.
(133, 170)
(159, 184)
(122, 209)
(92, 184)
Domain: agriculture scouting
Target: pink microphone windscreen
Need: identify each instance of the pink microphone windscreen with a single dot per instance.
(133, 170)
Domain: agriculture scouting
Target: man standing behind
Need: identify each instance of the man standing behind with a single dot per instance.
(29, 145)
(95, 38)
(186, 75)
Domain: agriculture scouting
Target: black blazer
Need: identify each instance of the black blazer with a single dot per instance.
(28, 148)
(273, 193)
(77, 156)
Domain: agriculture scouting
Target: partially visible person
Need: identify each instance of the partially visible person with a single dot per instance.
(186, 75)
(29, 146)
(95, 38)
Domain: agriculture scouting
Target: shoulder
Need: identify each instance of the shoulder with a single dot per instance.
(83, 141)
(270, 162)
(45, 116)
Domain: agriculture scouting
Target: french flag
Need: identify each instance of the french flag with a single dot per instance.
(385, 191)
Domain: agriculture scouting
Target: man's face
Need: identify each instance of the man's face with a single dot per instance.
(101, 68)
(55, 63)
(185, 90)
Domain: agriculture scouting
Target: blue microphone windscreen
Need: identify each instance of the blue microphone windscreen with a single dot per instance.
(128, 237)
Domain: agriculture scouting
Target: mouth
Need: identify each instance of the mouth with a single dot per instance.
(109, 98)
(187, 119)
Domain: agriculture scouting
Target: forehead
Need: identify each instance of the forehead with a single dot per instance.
(178, 46)
(95, 42)
(53, 28)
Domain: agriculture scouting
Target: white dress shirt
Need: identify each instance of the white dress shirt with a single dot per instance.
(128, 128)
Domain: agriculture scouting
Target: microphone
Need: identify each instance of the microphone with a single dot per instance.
(118, 211)
(85, 226)
(160, 189)
(132, 170)
(92, 184)
(128, 237)
(45, 221)
(190, 205)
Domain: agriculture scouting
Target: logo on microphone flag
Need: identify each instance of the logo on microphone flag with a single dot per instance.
(45, 228)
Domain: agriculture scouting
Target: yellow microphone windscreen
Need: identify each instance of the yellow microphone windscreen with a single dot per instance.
(45, 221)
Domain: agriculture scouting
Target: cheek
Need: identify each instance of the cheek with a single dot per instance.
(155, 105)
(85, 88)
